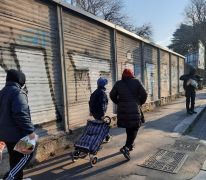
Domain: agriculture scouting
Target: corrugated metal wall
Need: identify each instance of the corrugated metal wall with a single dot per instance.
(128, 54)
(88, 56)
(164, 70)
(174, 74)
(151, 75)
(28, 36)
(29, 41)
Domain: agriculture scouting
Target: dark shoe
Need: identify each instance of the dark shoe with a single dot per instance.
(193, 112)
(189, 112)
(125, 151)
(131, 148)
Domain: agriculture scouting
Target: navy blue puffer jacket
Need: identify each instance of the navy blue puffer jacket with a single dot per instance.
(98, 102)
(15, 119)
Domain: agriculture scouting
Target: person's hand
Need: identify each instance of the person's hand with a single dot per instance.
(33, 136)
(27, 151)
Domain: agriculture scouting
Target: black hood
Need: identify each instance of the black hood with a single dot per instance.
(16, 76)
(192, 71)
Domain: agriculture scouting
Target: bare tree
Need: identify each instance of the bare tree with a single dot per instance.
(196, 16)
(111, 10)
(186, 37)
(195, 12)
(144, 31)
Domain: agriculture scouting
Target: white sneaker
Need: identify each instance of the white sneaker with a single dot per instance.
(27, 179)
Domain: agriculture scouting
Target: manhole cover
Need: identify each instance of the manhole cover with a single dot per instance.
(185, 146)
(164, 160)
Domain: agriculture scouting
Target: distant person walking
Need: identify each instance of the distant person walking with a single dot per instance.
(98, 102)
(190, 84)
(129, 95)
(15, 122)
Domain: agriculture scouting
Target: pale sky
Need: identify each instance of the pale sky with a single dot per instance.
(164, 15)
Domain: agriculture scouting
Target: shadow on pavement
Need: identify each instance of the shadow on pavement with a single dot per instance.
(95, 172)
(64, 168)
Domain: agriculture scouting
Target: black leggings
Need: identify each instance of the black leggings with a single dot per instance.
(131, 136)
(190, 100)
(17, 163)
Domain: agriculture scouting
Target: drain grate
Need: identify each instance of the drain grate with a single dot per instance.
(185, 146)
(164, 160)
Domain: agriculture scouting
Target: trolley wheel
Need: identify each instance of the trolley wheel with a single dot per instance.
(93, 161)
(107, 119)
(73, 157)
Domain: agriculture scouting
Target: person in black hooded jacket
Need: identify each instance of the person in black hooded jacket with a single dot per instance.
(15, 121)
(190, 84)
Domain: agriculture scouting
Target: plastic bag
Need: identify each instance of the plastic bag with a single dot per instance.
(193, 83)
(2, 146)
(26, 145)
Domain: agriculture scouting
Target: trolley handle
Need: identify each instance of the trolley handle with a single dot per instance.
(107, 120)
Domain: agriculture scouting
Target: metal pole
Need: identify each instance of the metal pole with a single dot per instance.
(114, 62)
(142, 63)
(159, 74)
(63, 69)
(178, 75)
(170, 74)
(114, 58)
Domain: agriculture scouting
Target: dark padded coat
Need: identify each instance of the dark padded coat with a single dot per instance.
(128, 94)
(98, 103)
(15, 119)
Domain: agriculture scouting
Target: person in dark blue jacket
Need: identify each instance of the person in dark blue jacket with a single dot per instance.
(99, 101)
(15, 121)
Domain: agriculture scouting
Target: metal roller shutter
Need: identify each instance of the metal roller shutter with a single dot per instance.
(151, 75)
(128, 55)
(174, 74)
(88, 56)
(164, 76)
(28, 42)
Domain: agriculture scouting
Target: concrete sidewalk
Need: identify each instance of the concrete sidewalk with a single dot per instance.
(164, 129)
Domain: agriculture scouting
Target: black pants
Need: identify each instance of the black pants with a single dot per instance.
(17, 163)
(190, 100)
(131, 136)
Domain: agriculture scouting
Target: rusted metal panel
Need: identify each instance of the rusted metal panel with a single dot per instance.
(164, 73)
(151, 74)
(174, 74)
(28, 41)
(181, 72)
(88, 55)
(128, 54)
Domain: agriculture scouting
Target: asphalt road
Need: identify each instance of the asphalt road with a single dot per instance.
(199, 129)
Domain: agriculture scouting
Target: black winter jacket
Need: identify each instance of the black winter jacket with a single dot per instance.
(128, 94)
(98, 103)
(15, 119)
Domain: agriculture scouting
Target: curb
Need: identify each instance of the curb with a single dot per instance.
(187, 123)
